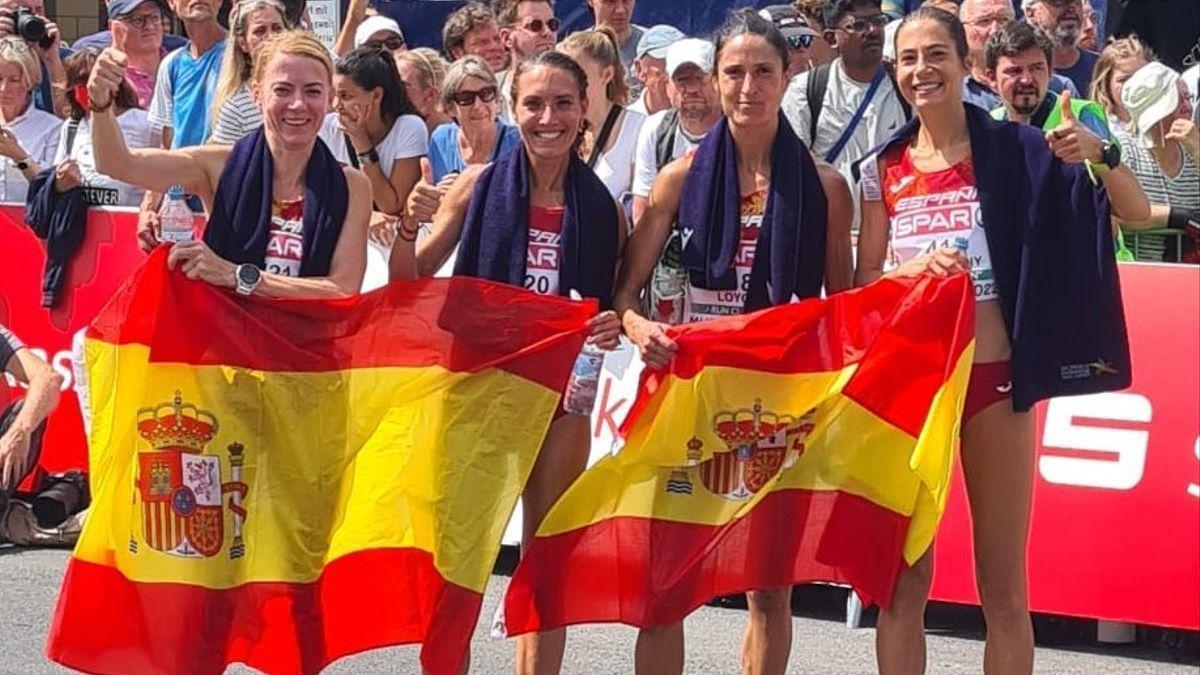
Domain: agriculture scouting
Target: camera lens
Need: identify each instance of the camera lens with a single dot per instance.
(31, 27)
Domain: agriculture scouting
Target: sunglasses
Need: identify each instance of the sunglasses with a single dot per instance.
(802, 41)
(466, 99)
(536, 25)
(393, 44)
(861, 25)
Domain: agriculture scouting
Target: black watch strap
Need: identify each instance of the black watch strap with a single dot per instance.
(1112, 154)
(369, 157)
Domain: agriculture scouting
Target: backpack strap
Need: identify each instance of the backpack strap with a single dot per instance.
(818, 82)
(664, 138)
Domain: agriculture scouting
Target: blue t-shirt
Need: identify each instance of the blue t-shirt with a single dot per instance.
(183, 94)
(1081, 72)
(443, 148)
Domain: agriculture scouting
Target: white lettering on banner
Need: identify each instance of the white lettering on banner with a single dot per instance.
(61, 363)
(1193, 489)
(1129, 445)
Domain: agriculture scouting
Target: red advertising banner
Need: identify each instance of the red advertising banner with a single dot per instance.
(1116, 505)
(108, 253)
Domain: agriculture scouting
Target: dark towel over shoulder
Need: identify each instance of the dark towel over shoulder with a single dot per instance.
(790, 256)
(240, 223)
(496, 231)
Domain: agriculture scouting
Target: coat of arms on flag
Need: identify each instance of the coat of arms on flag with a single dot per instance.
(180, 486)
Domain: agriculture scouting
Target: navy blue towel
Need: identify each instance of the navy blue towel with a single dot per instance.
(790, 256)
(495, 234)
(240, 222)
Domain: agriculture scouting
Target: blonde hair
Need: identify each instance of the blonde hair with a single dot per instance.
(236, 65)
(600, 45)
(291, 43)
(467, 66)
(16, 51)
(428, 63)
(1115, 50)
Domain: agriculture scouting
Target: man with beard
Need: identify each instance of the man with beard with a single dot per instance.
(981, 19)
(1018, 60)
(1063, 22)
(668, 134)
(527, 28)
(860, 106)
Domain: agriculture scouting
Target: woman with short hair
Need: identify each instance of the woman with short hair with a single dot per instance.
(286, 219)
(27, 135)
(471, 94)
(251, 24)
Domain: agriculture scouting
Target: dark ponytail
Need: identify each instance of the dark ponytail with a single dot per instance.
(748, 22)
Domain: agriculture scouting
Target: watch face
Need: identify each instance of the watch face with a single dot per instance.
(248, 274)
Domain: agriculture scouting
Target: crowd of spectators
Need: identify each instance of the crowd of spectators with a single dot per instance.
(650, 91)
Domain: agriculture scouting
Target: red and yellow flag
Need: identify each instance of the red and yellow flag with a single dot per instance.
(809, 442)
(283, 483)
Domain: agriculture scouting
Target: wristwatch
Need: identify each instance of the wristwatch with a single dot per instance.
(22, 165)
(1110, 157)
(248, 277)
(368, 157)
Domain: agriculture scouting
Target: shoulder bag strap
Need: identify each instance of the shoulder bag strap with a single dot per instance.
(818, 82)
(848, 130)
(602, 138)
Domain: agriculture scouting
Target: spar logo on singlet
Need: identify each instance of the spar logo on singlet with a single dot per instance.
(541, 261)
(938, 213)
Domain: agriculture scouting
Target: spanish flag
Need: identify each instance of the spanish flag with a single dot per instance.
(283, 483)
(808, 442)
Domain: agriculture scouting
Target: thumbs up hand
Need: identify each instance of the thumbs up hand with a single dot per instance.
(1071, 141)
(426, 196)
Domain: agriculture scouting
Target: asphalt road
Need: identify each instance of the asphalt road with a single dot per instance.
(29, 583)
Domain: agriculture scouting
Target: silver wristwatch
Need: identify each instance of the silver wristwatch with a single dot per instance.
(248, 277)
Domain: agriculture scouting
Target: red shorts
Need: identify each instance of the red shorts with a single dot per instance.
(990, 383)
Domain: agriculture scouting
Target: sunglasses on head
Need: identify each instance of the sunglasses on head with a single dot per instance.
(802, 41)
(466, 99)
(392, 44)
(536, 25)
(861, 25)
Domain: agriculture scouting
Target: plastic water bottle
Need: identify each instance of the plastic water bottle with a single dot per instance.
(176, 218)
(580, 396)
(585, 381)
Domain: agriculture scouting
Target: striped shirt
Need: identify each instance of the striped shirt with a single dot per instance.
(1180, 191)
(237, 117)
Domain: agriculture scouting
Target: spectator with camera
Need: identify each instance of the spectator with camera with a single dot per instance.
(27, 20)
(27, 135)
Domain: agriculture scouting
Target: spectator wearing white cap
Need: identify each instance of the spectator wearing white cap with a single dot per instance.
(1162, 147)
(648, 68)
(669, 134)
(359, 28)
(618, 16)
(796, 31)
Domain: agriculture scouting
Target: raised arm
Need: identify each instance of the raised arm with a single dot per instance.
(435, 249)
(150, 168)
